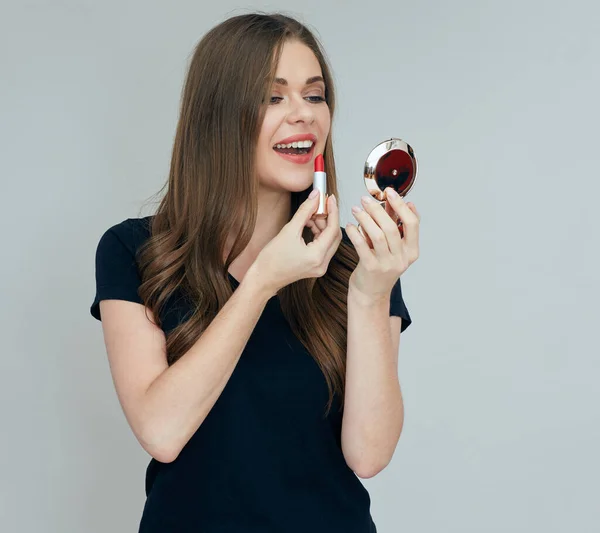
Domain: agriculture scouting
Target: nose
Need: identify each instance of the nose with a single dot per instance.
(300, 111)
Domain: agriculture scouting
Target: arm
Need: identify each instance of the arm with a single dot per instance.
(165, 405)
(374, 410)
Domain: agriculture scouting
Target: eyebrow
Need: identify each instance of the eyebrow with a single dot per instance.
(309, 81)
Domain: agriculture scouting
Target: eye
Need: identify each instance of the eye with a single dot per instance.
(316, 99)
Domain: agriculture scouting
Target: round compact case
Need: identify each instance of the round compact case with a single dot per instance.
(391, 163)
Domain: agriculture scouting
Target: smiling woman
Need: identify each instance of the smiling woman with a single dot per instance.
(298, 112)
(224, 317)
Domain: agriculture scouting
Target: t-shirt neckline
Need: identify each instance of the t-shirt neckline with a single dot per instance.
(236, 284)
(235, 281)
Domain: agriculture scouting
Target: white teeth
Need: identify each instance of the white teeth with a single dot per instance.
(297, 144)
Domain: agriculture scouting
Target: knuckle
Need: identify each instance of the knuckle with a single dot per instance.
(379, 237)
(315, 262)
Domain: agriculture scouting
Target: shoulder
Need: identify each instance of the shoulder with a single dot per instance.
(118, 247)
(130, 234)
(132, 230)
(117, 274)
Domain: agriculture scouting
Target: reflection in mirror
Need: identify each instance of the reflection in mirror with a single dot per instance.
(391, 163)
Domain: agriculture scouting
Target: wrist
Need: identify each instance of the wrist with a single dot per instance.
(358, 297)
(259, 282)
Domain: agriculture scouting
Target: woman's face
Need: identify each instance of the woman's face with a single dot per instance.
(297, 111)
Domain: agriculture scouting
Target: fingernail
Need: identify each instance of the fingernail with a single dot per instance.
(368, 199)
(356, 209)
(313, 193)
(392, 193)
(334, 199)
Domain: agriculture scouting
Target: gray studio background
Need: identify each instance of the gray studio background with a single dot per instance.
(500, 369)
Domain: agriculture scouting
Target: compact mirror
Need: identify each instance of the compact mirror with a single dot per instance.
(391, 163)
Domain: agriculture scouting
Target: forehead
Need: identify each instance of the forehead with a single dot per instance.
(297, 63)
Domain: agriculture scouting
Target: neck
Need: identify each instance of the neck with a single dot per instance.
(273, 214)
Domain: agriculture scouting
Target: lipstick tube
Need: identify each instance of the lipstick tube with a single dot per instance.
(320, 183)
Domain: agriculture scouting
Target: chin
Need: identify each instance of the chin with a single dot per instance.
(296, 182)
(284, 178)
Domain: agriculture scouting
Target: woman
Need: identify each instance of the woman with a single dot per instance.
(249, 343)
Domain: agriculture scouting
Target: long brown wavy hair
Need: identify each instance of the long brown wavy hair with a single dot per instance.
(212, 192)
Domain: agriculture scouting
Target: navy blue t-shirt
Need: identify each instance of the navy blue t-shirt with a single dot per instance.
(265, 459)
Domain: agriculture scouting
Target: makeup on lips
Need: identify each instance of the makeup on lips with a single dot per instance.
(298, 149)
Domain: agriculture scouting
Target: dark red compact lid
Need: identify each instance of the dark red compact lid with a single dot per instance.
(391, 163)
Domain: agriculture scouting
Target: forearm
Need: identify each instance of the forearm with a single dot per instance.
(374, 410)
(178, 401)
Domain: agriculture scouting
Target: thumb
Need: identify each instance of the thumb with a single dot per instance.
(305, 212)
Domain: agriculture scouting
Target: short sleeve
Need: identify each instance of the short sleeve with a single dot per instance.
(398, 307)
(117, 276)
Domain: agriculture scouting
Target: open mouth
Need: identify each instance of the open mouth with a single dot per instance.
(295, 148)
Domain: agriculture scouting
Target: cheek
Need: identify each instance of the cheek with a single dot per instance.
(263, 159)
(269, 127)
(264, 139)
(325, 120)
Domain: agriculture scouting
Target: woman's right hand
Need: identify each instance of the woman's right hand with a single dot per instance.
(287, 258)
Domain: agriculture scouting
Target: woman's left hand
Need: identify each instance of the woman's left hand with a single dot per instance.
(380, 267)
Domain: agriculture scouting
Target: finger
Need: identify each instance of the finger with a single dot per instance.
(413, 208)
(313, 227)
(373, 230)
(320, 223)
(414, 247)
(331, 231)
(331, 251)
(410, 220)
(365, 253)
(390, 211)
(303, 214)
(388, 223)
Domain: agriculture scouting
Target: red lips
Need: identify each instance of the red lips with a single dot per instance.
(300, 137)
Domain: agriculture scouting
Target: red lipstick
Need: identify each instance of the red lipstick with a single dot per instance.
(319, 163)
(320, 183)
